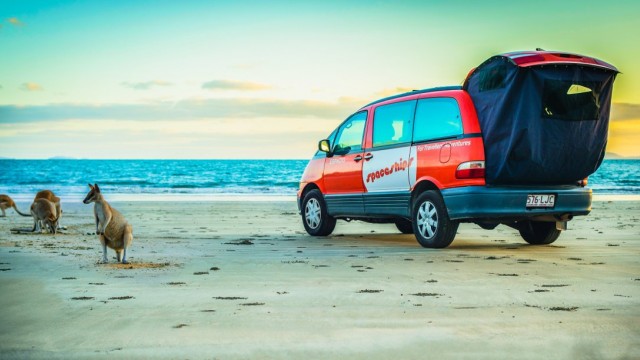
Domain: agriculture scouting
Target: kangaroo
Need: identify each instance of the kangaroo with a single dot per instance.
(49, 195)
(44, 212)
(112, 228)
(7, 202)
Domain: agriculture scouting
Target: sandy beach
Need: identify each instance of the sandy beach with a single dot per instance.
(240, 279)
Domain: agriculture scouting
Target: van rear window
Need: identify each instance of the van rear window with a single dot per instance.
(571, 101)
(437, 118)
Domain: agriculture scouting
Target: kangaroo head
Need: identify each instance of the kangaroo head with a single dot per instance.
(93, 195)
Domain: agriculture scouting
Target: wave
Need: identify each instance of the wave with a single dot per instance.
(215, 176)
(204, 185)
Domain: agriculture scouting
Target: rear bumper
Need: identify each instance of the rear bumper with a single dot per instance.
(500, 202)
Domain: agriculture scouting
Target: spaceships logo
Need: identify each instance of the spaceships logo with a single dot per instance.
(400, 165)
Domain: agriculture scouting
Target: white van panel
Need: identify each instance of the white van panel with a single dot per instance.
(389, 170)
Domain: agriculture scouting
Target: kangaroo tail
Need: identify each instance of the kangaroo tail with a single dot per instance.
(19, 212)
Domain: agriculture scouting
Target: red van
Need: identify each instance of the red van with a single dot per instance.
(514, 145)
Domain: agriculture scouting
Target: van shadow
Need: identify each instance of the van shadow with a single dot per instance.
(408, 242)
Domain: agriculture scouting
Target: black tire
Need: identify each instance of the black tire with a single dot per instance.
(314, 215)
(431, 224)
(538, 232)
(405, 226)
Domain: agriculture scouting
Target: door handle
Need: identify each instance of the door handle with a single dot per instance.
(357, 158)
(368, 157)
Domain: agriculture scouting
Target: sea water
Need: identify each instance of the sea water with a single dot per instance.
(210, 179)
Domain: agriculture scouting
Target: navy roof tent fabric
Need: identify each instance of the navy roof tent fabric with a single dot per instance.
(523, 145)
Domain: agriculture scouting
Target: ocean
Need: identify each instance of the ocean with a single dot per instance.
(210, 179)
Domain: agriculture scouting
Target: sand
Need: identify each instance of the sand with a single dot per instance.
(229, 280)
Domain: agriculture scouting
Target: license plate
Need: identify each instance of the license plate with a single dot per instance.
(541, 201)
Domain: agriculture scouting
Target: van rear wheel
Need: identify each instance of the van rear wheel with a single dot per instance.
(405, 226)
(538, 232)
(431, 224)
(316, 220)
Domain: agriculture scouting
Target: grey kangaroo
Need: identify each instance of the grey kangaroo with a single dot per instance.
(112, 228)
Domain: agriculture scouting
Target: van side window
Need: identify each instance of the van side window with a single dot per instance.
(437, 118)
(350, 134)
(392, 124)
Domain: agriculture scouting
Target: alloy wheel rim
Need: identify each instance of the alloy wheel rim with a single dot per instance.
(312, 213)
(427, 220)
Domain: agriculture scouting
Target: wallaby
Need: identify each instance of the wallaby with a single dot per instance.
(112, 228)
(7, 202)
(44, 215)
(49, 195)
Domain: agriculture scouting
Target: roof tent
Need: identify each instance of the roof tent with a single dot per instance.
(544, 115)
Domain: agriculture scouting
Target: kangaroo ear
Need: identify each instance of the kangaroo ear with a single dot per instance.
(90, 186)
(97, 188)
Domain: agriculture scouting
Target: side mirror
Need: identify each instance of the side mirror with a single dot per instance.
(325, 146)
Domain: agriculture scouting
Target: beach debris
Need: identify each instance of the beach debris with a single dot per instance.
(369, 291)
(504, 274)
(252, 304)
(241, 242)
(229, 298)
(426, 294)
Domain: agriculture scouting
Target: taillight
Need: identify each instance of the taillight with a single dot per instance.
(583, 182)
(470, 170)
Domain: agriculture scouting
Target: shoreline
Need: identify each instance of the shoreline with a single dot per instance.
(25, 199)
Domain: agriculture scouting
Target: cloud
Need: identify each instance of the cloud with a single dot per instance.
(146, 85)
(31, 86)
(234, 85)
(393, 91)
(183, 110)
(15, 21)
(625, 111)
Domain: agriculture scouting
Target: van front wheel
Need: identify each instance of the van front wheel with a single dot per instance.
(314, 215)
(431, 224)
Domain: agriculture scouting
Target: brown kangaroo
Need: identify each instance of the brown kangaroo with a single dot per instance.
(44, 215)
(112, 228)
(7, 202)
(49, 195)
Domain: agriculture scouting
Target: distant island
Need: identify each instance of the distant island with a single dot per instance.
(62, 158)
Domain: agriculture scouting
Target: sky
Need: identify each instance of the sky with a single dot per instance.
(266, 79)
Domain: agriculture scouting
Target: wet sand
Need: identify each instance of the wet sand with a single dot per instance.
(233, 280)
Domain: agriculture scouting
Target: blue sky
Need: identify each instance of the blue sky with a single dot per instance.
(253, 79)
